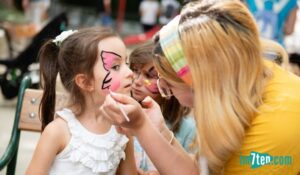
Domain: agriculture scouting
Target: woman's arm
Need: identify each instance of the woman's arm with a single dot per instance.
(51, 142)
(127, 166)
(153, 135)
(165, 151)
(290, 22)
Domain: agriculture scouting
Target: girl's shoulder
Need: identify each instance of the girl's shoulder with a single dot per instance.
(187, 128)
(57, 127)
(57, 133)
(97, 152)
(188, 122)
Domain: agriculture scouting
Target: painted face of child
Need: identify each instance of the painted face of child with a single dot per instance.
(144, 81)
(111, 71)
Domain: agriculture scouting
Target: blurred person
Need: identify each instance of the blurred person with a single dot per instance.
(168, 10)
(104, 12)
(36, 11)
(149, 11)
(275, 18)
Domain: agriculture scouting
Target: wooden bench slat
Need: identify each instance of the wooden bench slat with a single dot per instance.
(30, 119)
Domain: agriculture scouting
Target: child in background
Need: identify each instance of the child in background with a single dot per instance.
(144, 84)
(77, 140)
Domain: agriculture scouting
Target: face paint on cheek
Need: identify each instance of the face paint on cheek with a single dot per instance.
(115, 84)
(151, 86)
(108, 59)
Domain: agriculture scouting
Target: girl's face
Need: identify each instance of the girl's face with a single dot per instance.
(111, 71)
(144, 82)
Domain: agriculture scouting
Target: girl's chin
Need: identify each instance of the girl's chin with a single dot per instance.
(124, 91)
(138, 97)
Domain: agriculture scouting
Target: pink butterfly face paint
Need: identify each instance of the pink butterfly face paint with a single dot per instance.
(110, 81)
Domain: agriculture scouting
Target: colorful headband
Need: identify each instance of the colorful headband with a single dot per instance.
(61, 37)
(172, 48)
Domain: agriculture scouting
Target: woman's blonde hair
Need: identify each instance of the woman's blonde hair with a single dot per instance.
(225, 55)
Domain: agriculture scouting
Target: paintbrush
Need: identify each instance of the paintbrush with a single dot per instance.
(121, 109)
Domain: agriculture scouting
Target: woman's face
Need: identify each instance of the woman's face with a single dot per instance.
(181, 91)
(144, 81)
(111, 71)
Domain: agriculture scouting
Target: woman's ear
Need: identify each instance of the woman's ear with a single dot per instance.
(83, 82)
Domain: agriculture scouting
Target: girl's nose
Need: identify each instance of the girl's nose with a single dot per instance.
(138, 79)
(128, 73)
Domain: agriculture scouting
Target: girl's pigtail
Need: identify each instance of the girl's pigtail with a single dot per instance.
(48, 57)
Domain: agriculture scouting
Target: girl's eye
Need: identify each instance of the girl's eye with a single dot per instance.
(150, 76)
(116, 67)
(135, 70)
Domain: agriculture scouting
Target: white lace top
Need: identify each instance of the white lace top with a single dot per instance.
(88, 153)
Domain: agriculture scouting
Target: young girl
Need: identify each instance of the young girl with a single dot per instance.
(77, 140)
(144, 84)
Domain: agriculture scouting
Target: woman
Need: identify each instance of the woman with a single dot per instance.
(244, 105)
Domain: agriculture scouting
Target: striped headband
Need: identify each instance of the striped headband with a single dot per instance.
(173, 51)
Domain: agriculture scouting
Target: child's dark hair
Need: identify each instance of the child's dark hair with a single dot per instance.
(295, 58)
(78, 53)
(171, 108)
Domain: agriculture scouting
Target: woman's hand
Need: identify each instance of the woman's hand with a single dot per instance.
(153, 111)
(112, 109)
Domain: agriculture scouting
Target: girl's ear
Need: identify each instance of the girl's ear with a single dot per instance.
(83, 82)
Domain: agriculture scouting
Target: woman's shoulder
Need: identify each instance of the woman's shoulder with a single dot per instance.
(282, 86)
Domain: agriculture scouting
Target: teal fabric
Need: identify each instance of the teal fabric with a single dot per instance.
(271, 16)
(186, 133)
(185, 136)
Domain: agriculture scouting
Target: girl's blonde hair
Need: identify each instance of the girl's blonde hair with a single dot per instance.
(225, 55)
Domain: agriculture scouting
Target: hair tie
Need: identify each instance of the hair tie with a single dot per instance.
(61, 37)
(172, 48)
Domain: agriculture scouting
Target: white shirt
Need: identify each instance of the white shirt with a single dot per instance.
(88, 153)
(149, 11)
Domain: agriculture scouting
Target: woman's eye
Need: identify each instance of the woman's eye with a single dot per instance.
(115, 67)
